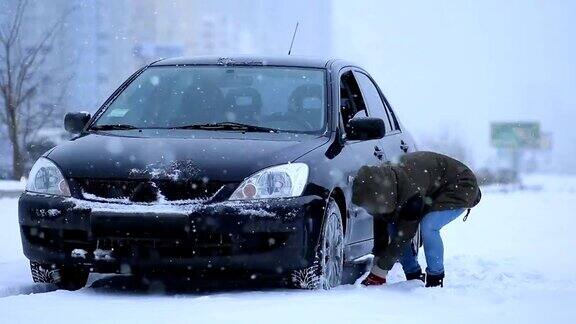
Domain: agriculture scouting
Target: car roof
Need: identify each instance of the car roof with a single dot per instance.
(245, 60)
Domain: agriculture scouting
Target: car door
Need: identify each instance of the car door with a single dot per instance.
(407, 143)
(359, 229)
(393, 144)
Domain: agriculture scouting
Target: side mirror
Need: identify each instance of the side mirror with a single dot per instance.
(365, 128)
(75, 122)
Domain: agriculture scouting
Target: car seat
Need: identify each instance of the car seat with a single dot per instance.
(199, 106)
(306, 102)
(243, 105)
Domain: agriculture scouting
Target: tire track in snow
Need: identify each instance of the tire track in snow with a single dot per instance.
(30, 289)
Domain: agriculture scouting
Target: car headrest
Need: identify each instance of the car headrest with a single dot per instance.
(306, 97)
(242, 104)
(243, 97)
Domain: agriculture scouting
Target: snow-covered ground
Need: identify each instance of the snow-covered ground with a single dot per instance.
(7, 185)
(512, 262)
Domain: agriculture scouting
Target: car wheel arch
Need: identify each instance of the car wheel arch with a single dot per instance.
(338, 195)
(310, 276)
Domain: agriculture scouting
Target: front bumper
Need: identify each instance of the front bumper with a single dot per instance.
(270, 236)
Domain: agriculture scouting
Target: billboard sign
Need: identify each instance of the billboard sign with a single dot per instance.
(515, 135)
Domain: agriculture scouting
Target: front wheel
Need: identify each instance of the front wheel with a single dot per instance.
(64, 277)
(326, 271)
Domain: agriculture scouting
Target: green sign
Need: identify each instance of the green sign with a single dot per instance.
(515, 135)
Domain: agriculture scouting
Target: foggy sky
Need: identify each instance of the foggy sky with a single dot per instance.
(461, 64)
(446, 66)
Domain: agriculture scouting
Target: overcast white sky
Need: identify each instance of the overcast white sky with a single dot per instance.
(462, 64)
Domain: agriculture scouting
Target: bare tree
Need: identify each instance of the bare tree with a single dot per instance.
(447, 142)
(21, 78)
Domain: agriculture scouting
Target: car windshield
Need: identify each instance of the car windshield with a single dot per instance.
(285, 99)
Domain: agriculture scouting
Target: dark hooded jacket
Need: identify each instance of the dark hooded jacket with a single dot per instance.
(403, 193)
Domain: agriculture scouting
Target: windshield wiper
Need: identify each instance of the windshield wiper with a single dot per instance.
(228, 126)
(113, 127)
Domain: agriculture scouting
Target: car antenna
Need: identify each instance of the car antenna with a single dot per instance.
(293, 37)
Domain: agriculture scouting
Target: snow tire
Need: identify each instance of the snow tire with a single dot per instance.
(327, 268)
(64, 277)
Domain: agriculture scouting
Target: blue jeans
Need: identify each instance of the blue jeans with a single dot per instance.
(433, 246)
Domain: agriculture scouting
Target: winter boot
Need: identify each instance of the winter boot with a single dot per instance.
(373, 280)
(377, 276)
(415, 276)
(435, 280)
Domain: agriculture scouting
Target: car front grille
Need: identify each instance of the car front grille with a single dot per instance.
(145, 191)
(141, 245)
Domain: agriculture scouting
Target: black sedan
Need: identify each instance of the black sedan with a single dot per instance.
(236, 165)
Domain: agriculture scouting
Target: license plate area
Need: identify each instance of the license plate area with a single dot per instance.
(139, 226)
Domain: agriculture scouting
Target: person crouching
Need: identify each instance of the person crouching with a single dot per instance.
(424, 189)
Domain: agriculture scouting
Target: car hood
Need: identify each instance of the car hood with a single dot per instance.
(146, 154)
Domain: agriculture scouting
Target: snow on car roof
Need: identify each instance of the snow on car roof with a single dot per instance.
(240, 60)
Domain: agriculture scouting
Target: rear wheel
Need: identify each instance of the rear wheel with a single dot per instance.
(64, 277)
(326, 271)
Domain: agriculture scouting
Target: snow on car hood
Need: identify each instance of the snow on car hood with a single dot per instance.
(147, 154)
(97, 204)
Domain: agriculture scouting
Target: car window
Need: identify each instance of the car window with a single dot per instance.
(282, 98)
(351, 101)
(393, 118)
(375, 105)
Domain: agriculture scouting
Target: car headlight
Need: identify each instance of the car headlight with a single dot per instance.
(46, 178)
(282, 181)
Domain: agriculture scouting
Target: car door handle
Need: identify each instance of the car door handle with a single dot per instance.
(378, 153)
(403, 146)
